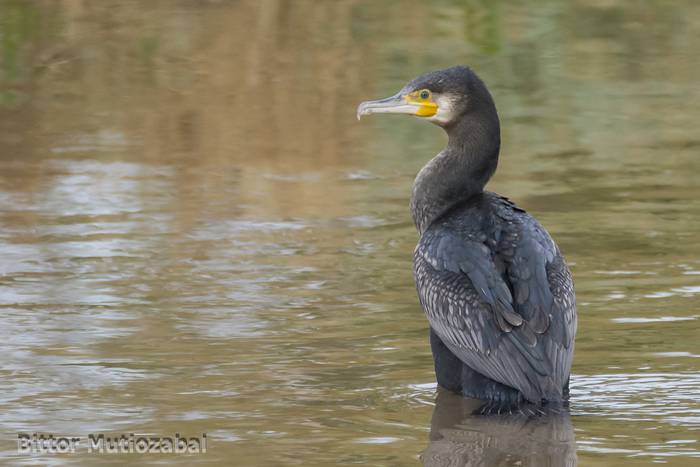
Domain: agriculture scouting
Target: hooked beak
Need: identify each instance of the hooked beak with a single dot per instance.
(397, 104)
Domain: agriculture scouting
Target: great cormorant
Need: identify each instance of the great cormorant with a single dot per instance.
(497, 292)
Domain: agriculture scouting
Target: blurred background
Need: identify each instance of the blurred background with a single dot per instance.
(198, 236)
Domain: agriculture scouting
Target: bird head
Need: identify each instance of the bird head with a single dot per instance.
(440, 97)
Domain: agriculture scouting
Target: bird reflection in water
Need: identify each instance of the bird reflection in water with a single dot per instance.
(461, 436)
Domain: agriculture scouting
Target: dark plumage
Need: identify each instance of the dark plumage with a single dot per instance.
(495, 288)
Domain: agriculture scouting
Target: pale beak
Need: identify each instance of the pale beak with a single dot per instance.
(396, 104)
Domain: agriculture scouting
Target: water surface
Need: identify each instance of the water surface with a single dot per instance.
(198, 236)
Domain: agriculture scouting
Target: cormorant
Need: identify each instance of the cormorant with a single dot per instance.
(494, 286)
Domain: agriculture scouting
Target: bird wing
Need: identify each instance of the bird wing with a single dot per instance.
(505, 309)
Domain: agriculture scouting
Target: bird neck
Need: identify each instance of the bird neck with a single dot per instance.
(460, 171)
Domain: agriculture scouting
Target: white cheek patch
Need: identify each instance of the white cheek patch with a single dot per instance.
(446, 108)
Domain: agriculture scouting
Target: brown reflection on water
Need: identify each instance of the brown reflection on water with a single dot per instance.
(190, 85)
(198, 236)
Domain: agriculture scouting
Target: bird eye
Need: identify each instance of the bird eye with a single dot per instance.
(424, 94)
